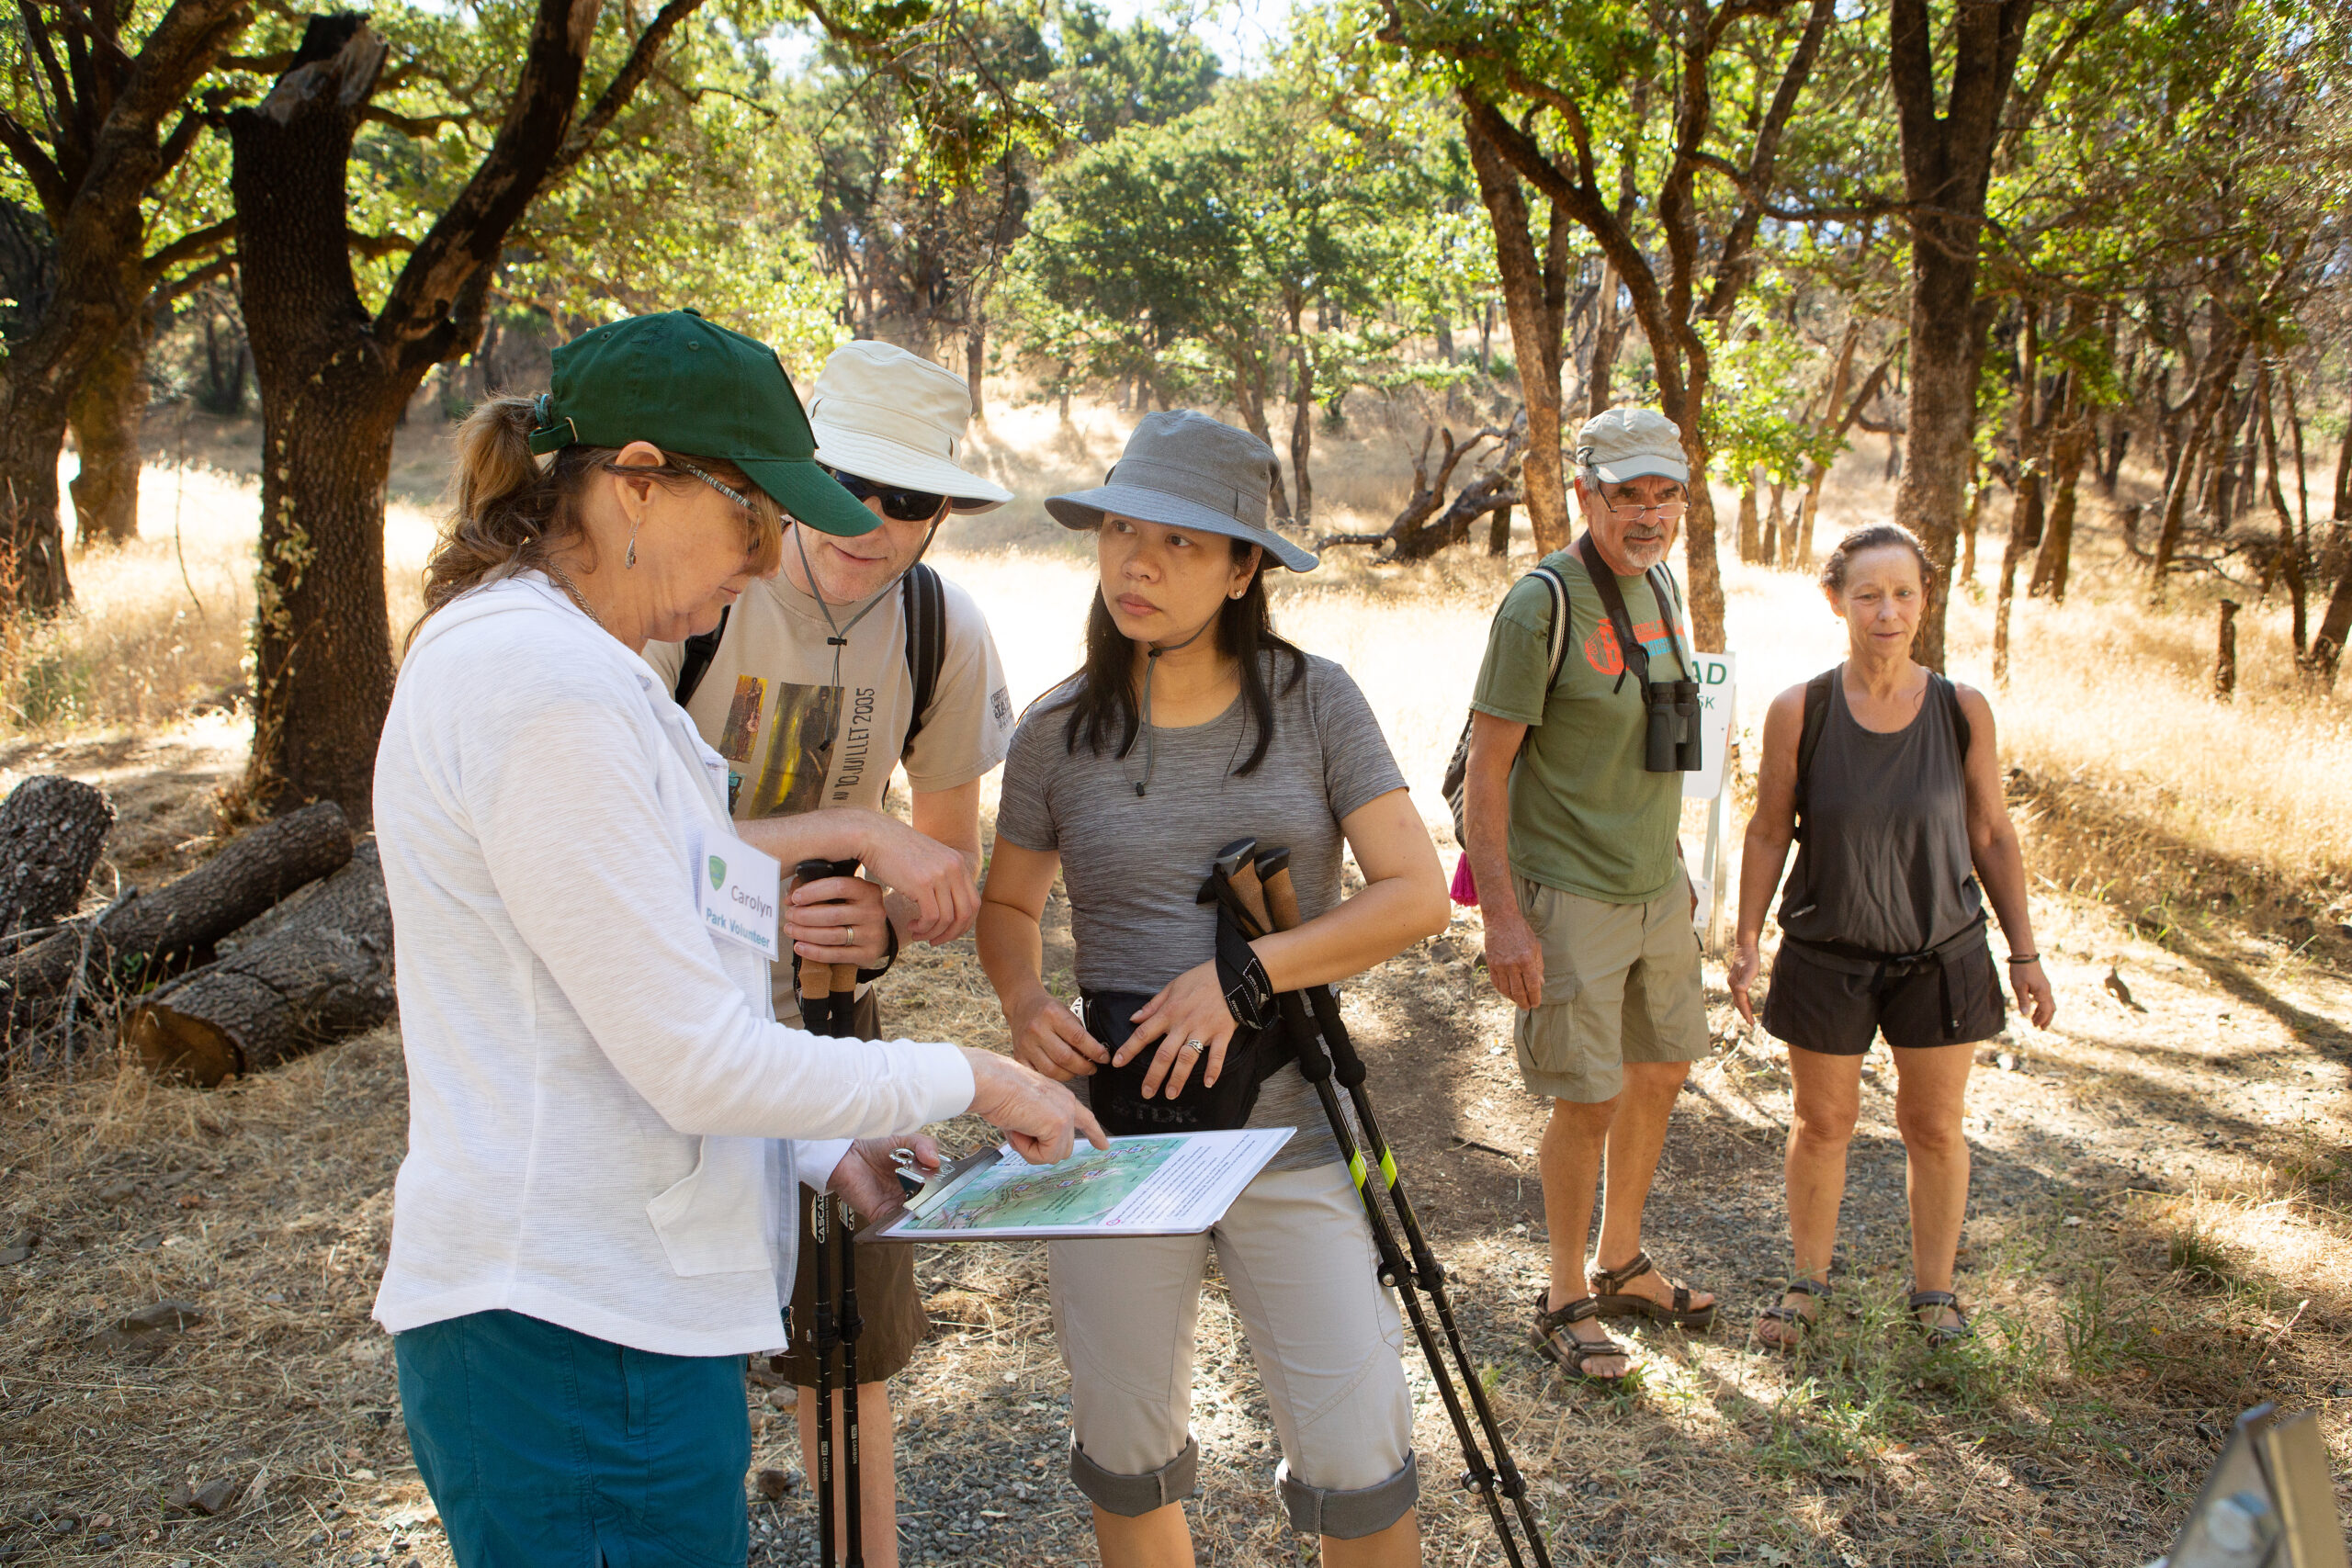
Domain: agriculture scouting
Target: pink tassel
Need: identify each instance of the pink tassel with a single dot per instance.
(1466, 887)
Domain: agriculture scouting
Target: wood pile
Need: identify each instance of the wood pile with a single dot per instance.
(280, 944)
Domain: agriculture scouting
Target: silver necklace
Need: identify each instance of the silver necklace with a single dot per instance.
(573, 588)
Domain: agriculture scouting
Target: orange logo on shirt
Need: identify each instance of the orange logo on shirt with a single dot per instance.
(1600, 649)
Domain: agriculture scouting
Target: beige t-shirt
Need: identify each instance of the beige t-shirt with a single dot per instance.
(794, 742)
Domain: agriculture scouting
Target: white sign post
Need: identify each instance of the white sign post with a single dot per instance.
(1717, 697)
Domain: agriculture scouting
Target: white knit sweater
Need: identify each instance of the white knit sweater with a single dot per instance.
(595, 1083)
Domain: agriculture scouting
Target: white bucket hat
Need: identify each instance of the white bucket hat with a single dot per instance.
(896, 419)
(1629, 444)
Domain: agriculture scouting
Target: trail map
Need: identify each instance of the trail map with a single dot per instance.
(1155, 1185)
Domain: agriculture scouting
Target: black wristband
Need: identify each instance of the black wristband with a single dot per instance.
(890, 953)
(2025, 958)
(1249, 994)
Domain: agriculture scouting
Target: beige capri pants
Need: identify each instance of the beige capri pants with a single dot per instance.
(1298, 1260)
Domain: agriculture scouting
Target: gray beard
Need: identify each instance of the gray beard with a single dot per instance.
(1644, 556)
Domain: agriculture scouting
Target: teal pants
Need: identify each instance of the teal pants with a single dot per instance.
(544, 1447)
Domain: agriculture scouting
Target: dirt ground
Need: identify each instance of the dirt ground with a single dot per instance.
(2158, 1238)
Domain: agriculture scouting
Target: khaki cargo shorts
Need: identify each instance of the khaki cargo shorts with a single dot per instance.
(1621, 983)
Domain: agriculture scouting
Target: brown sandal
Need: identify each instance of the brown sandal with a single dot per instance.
(1797, 1323)
(1554, 1343)
(1608, 1290)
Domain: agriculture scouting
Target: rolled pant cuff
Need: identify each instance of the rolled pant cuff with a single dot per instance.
(1132, 1496)
(1349, 1515)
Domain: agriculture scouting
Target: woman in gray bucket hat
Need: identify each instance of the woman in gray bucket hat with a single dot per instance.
(1191, 725)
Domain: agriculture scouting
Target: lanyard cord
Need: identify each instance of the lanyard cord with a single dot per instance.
(840, 637)
(1151, 663)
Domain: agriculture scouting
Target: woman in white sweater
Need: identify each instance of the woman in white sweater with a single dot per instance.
(594, 1222)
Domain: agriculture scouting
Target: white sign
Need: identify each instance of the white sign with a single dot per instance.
(1715, 673)
(738, 890)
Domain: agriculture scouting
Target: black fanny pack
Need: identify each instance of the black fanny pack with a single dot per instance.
(1115, 1094)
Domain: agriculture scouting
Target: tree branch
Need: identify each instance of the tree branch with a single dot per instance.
(188, 247)
(375, 246)
(623, 85)
(423, 127)
(41, 172)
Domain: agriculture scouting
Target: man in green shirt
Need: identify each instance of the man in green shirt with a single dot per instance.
(1574, 844)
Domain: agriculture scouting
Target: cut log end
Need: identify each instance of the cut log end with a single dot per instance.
(177, 1048)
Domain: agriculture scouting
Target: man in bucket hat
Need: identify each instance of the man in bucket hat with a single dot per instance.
(856, 658)
(1573, 842)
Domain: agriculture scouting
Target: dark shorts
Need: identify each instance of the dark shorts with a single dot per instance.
(887, 1301)
(545, 1448)
(1834, 1006)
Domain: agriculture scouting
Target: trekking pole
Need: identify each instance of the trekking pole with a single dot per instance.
(828, 1005)
(1281, 902)
(1234, 882)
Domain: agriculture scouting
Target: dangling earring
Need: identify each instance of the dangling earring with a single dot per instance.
(629, 560)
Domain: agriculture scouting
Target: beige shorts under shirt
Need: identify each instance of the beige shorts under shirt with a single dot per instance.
(1621, 983)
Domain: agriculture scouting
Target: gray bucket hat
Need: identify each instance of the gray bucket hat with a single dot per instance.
(1183, 469)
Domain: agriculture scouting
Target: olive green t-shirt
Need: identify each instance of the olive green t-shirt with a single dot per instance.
(1586, 817)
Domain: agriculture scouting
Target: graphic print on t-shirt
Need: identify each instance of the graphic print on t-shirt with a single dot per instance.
(800, 746)
(743, 730)
(1601, 652)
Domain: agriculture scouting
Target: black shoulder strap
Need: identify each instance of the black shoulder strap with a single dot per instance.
(1637, 658)
(926, 607)
(1817, 715)
(700, 651)
(1960, 730)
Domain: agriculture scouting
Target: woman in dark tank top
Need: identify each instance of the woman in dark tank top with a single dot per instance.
(1888, 773)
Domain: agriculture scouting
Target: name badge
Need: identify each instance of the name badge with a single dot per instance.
(738, 890)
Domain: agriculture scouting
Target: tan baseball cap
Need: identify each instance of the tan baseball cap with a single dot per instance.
(898, 419)
(1631, 444)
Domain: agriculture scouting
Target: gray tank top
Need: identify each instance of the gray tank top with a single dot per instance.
(1884, 865)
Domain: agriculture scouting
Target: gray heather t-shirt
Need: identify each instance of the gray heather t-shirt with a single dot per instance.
(1133, 866)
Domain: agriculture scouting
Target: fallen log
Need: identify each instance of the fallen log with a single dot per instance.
(145, 937)
(320, 971)
(50, 831)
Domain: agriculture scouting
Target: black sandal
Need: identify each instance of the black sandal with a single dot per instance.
(1607, 1289)
(1554, 1343)
(1781, 1313)
(1934, 1303)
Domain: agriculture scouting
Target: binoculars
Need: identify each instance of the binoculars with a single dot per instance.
(1670, 742)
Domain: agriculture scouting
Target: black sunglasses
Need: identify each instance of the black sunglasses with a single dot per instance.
(902, 505)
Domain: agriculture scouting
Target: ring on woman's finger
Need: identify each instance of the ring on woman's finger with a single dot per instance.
(1195, 1046)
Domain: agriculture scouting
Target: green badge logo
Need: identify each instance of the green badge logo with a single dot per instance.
(718, 873)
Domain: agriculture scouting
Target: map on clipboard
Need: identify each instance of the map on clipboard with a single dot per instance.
(1158, 1184)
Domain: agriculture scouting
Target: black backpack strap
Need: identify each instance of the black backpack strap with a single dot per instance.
(1668, 594)
(1635, 658)
(1817, 715)
(925, 601)
(700, 651)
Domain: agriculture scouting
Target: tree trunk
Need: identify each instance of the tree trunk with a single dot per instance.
(1536, 300)
(1808, 508)
(334, 382)
(1498, 532)
(1750, 541)
(2029, 497)
(1777, 529)
(1979, 486)
(1249, 396)
(2291, 564)
(975, 362)
(32, 539)
(2225, 653)
(322, 675)
(2066, 453)
(1607, 334)
(322, 971)
(1302, 419)
(51, 828)
(1444, 338)
(147, 937)
(2221, 366)
(2335, 623)
(1947, 165)
(109, 407)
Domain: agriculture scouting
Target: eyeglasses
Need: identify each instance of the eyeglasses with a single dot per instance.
(901, 506)
(729, 490)
(1621, 512)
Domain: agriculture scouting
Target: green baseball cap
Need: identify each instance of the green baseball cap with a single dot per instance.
(691, 386)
